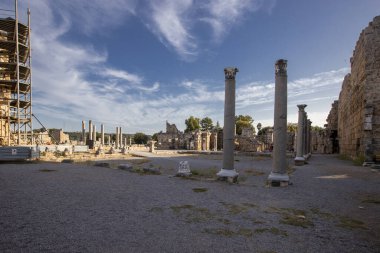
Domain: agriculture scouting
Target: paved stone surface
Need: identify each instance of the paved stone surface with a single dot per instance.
(332, 206)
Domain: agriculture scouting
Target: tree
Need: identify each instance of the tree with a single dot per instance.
(192, 124)
(206, 124)
(263, 130)
(316, 128)
(242, 121)
(155, 137)
(258, 127)
(217, 127)
(292, 127)
(140, 138)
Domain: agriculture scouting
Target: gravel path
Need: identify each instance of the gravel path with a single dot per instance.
(332, 206)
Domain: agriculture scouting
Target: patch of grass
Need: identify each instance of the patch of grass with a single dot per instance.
(318, 212)
(254, 172)
(219, 231)
(200, 189)
(253, 220)
(177, 209)
(193, 214)
(229, 233)
(292, 216)
(235, 208)
(348, 223)
(244, 232)
(46, 170)
(358, 161)
(204, 173)
(224, 221)
(271, 230)
(344, 157)
(142, 172)
(156, 210)
(296, 220)
(371, 201)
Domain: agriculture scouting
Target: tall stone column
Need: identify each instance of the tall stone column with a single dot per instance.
(90, 130)
(228, 170)
(309, 137)
(120, 137)
(216, 141)
(94, 134)
(84, 132)
(102, 134)
(117, 138)
(300, 160)
(279, 173)
(304, 135)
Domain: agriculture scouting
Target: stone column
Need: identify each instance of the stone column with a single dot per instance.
(102, 134)
(94, 134)
(117, 138)
(151, 146)
(216, 141)
(310, 138)
(279, 174)
(121, 137)
(228, 170)
(84, 132)
(300, 160)
(304, 135)
(109, 140)
(90, 130)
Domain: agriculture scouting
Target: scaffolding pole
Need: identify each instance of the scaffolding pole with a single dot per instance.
(17, 75)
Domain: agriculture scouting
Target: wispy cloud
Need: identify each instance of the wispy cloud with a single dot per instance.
(124, 75)
(174, 21)
(171, 22)
(223, 15)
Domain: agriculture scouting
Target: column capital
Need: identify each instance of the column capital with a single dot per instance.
(230, 72)
(301, 107)
(280, 67)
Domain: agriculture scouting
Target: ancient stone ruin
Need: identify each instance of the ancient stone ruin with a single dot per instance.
(354, 120)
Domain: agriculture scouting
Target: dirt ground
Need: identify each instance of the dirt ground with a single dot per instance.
(93, 206)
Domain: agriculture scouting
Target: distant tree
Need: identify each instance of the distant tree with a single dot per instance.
(258, 127)
(206, 124)
(316, 128)
(192, 124)
(154, 137)
(140, 138)
(292, 127)
(243, 121)
(263, 130)
(217, 127)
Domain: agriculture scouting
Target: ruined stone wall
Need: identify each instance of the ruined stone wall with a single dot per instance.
(359, 99)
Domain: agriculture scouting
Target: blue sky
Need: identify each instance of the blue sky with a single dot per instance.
(136, 64)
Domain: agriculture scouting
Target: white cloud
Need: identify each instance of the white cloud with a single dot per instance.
(170, 22)
(108, 72)
(224, 14)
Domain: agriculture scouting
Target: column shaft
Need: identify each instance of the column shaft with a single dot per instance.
(300, 160)
(229, 125)
(102, 134)
(279, 166)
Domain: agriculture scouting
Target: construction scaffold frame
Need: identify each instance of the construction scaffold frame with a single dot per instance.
(16, 127)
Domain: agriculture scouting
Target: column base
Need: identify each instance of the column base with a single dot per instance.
(223, 173)
(277, 179)
(299, 161)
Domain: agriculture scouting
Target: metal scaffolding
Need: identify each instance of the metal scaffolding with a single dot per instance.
(15, 80)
